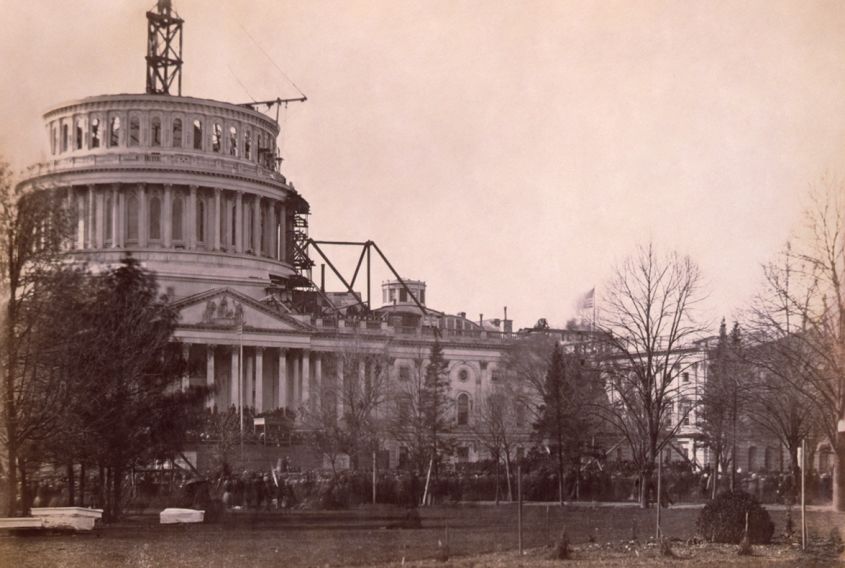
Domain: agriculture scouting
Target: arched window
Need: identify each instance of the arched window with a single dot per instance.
(134, 131)
(95, 132)
(155, 218)
(201, 220)
(155, 131)
(114, 136)
(176, 221)
(54, 140)
(65, 137)
(107, 215)
(131, 218)
(463, 409)
(216, 137)
(177, 132)
(233, 141)
(247, 146)
(79, 134)
(197, 135)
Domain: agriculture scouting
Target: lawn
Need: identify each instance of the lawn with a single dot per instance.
(477, 536)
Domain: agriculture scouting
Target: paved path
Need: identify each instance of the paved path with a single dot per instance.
(634, 505)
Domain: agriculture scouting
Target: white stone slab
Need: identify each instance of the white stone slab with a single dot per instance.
(21, 523)
(175, 516)
(71, 518)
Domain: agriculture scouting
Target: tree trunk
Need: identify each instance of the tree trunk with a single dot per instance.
(71, 484)
(508, 474)
(645, 483)
(25, 500)
(82, 484)
(117, 487)
(498, 459)
(839, 473)
(715, 488)
(12, 485)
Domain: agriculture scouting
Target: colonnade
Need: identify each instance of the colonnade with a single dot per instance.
(188, 217)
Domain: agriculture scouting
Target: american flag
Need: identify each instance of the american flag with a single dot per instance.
(587, 301)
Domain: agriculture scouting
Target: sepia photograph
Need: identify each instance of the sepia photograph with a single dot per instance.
(467, 283)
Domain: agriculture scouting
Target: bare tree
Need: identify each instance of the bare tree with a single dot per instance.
(33, 228)
(800, 313)
(496, 425)
(348, 414)
(649, 323)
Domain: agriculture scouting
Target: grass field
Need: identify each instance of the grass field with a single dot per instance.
(477, 536)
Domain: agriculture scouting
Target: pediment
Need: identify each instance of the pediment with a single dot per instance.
(227, 308)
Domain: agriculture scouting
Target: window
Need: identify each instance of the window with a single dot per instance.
(65, 137)
(54, 140)
(107, 214)
(685, 377)
(197, 135)
(519, 410)
(247, 146)
(134, 131)
(403, 295)
(422, 297)
(95, 132)
(201, 220)
(177, 132)
(250, 228)
(176, 221)
(463, 409)
(463, 453)
(79, 134)
(155, 131)
(155, 218)
(114, 136)
(216, 137)
(404, 373)
(685, 409)
(132, 218)
(233, 141)
(234, 225)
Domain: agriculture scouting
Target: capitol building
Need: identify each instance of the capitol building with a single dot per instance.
(191, 188)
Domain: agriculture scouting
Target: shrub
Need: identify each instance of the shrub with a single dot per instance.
(561, 550)
(723, 519)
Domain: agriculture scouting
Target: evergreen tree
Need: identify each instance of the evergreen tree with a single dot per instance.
(567, 418)
(129, 403)
(436, 406)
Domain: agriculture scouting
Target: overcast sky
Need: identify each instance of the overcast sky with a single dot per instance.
(508, 153)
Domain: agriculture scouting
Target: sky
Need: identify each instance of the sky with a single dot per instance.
(507, 153)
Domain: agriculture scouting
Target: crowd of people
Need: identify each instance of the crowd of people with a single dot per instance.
(288, 488)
